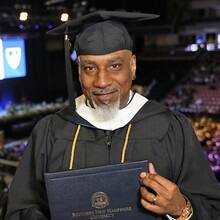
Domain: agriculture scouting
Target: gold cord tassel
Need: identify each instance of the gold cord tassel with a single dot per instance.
(74, 147)
(125, 144)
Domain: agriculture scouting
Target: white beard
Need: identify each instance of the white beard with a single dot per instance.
(106, 112)
(121, 118)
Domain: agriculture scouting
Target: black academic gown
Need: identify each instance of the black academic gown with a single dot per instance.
(163, 137)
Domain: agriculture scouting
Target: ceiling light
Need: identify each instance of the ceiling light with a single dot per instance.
(23, 16)
(64, 17)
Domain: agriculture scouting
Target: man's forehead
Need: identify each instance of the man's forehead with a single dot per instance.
(121, 56)
(118, 55)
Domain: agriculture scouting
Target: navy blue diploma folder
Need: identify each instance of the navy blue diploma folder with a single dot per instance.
(107, 192)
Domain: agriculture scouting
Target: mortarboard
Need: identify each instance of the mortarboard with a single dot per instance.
(97, 33)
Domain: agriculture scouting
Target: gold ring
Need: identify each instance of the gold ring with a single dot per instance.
(154, 200)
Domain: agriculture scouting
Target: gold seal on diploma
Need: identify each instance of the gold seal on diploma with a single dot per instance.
(99, 200)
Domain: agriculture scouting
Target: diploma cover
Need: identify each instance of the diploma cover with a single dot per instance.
(108, 192)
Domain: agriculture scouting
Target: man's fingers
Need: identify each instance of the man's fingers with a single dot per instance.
(150, 182)
(143, 175)
(152, 207)
(151, 168)
(160, 180)
(159, 194)
(158, 184)
(147, 195)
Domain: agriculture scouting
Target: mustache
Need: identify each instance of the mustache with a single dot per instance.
(101, 91)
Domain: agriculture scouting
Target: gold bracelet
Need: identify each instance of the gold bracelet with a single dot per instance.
(187, 211)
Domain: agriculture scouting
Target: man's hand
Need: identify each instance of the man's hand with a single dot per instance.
(159, 195)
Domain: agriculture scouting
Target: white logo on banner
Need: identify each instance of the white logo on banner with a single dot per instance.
(13, 56)
(1, 61)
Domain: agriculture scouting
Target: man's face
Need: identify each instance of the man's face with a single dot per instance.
(105, 79)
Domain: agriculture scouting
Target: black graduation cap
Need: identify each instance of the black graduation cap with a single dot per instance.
(98, 33)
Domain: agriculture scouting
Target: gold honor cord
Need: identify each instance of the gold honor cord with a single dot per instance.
(125, 144)
(74, 147)
(76, 137)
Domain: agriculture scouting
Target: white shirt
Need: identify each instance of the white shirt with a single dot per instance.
(122, 117)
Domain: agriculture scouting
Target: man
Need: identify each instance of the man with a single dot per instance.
(109, 125)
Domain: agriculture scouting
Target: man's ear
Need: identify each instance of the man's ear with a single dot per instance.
(78, 68)
(133, 67)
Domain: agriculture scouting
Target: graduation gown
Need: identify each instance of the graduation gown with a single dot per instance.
(163, 137)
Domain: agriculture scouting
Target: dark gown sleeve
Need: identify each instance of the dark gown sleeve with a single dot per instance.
(192, 171)
(27, 196)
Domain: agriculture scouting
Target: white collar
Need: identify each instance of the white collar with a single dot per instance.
(122, 118)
